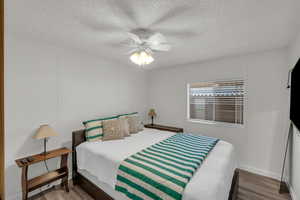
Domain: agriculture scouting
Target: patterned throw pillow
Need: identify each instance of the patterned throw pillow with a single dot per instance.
(141, 125)
(135, 124)
(133, 121)
(94, 128)
(112, 130)
(124, 125)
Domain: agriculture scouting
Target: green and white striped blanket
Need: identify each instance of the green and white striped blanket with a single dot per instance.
(163, 170)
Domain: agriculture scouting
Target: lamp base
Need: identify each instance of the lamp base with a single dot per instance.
(44, 153)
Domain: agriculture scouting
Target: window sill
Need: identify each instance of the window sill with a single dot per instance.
(218, 124)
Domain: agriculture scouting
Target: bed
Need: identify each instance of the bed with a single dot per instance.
(95, 166)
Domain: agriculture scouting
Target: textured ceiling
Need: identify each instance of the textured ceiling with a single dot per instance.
(197, 29)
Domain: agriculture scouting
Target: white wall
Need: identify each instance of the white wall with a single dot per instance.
(260, 143)
(295, 147)
(47, 84)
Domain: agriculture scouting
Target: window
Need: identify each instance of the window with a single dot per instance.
(217, 101)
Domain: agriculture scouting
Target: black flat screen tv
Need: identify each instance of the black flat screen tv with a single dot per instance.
(295, 95)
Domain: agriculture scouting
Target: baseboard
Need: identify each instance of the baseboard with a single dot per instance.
(292, 191)
(261, 172)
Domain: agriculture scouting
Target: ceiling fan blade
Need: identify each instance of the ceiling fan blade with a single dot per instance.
(161, 47)
(205, 11)
(125, 12)
(120, 16)
(171, 13)
(96, 25)
(132, 51)
(177, 32)
(135, 38)
(156, 39)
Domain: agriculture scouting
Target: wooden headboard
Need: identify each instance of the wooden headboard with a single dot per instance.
(78, 137)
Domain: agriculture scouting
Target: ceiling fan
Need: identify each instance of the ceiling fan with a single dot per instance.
(144, 43)
(143, 36)
(143, 39)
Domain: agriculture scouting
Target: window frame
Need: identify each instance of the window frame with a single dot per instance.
(211, 122)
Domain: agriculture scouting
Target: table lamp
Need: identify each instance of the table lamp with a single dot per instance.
(152, 114)
(45, 132)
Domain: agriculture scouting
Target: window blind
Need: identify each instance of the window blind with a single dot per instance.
(221, 101)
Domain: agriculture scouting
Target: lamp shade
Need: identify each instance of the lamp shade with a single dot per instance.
(152, 113)
(45, 131)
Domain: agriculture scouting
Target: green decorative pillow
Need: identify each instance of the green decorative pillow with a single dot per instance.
(128, 114)
(94, 128)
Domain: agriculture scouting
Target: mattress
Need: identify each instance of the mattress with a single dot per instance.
(99, 162)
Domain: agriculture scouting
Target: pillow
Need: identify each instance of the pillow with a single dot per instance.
(124, 125)
(93, 128)
(112, 130)
(93, 131)
(133, 122)
(128, 114)
(141, 125)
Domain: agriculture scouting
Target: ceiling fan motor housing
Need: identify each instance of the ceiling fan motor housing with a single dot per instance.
(143, 33)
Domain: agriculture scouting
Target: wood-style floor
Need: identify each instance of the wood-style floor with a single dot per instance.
(251, 187)
(256, 187)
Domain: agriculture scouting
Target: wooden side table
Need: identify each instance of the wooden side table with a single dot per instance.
(44, 179)
(165, 128)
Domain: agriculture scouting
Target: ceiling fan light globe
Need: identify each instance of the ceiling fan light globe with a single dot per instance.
(143, 55)
(135, 58)
(141, 58)
(149, 59)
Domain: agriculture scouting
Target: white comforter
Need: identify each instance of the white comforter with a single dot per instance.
(211, 182)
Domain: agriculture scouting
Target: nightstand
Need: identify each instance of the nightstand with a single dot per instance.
(29, 185)
(165, 128)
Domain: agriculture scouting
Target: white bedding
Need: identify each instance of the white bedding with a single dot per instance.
(212, 181)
